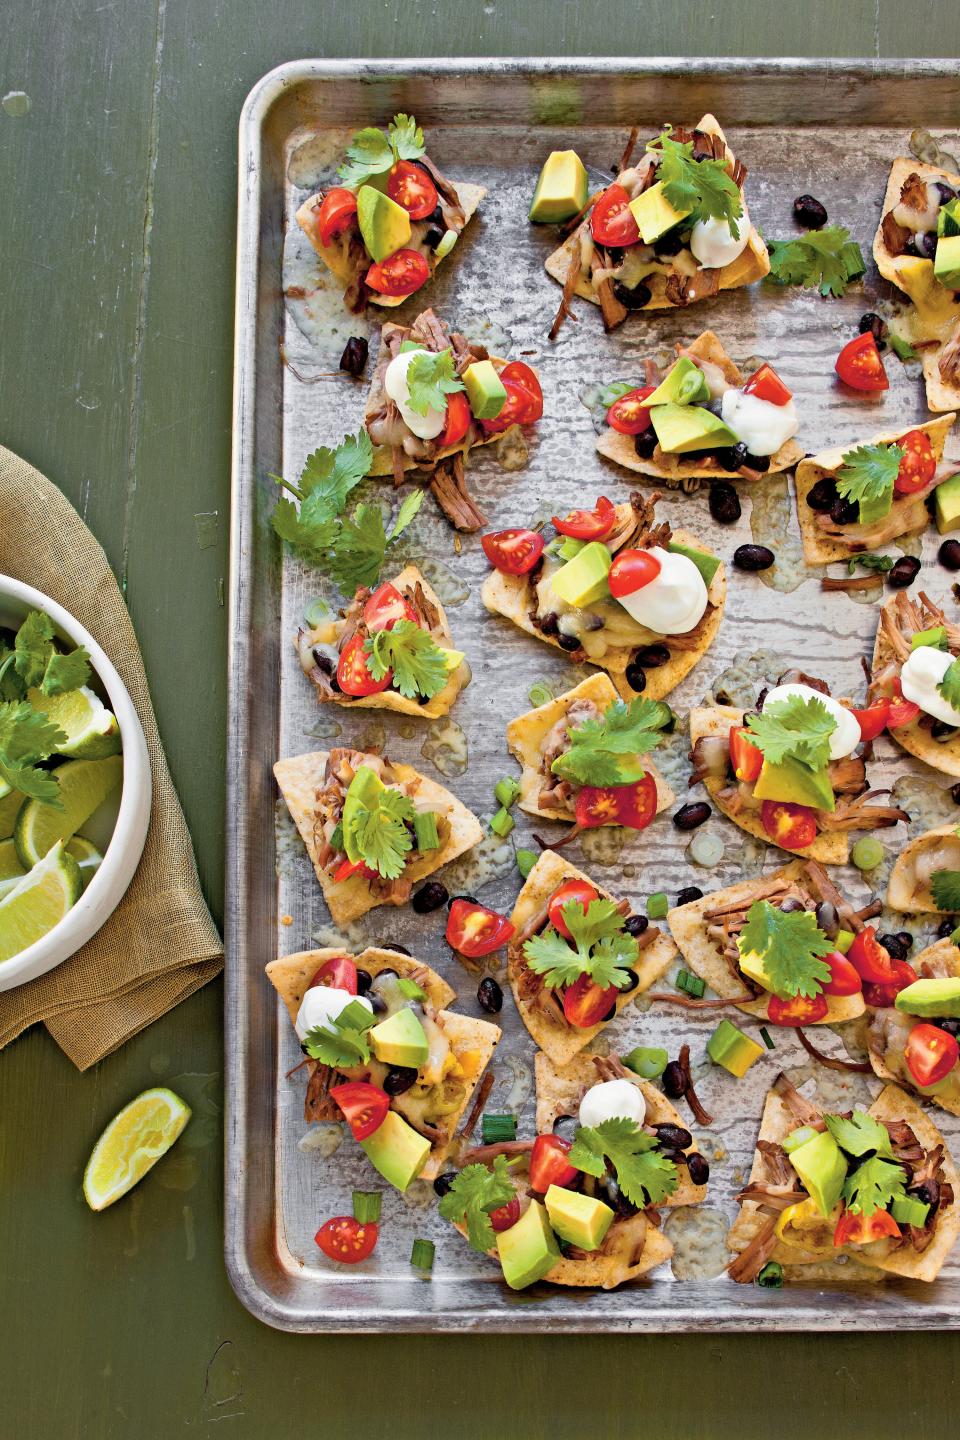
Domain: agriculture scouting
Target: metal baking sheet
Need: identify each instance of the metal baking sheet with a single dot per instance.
(830, 128)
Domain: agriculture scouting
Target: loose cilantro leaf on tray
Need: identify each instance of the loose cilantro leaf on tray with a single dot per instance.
(826, 260)
(644, 1175)
(868, 472)
(860, 1135)
(701, 187)
(797, 727)
(431, 377)
(419, 665)
(370, 152)
(945, 889)
(330, 475)
(604, 950)
(474, 1193)
(26, 738)
(790, 944)
(597, 746)
(874, 1185)
(949, 686)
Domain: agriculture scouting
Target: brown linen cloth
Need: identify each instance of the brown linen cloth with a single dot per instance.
(160, 944)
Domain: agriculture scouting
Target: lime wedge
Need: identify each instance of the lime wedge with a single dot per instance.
(91, 728)
(11, 871)
(38, 902)
(10, 803)
(132, 1144)
(84, 785)
(86, 854)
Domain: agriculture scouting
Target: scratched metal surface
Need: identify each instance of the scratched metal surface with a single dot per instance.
(495, 288)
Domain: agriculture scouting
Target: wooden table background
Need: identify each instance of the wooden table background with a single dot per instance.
(116, 301)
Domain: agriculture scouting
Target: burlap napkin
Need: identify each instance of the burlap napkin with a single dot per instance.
(160, 944)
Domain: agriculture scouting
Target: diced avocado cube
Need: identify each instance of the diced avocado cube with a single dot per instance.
(946, 262)
(396, 1150)
(384, 225)
(363, 792)
(948, 218)
(754, 968)
(948, 505)
(579, 1219)
(935, 637)
(683, 384)
(708, 565)
(796, 1138)
(908, 1210)
(654, 214)
(680, 428)
(795, 783)
(820, 1164)
(562, 189)
(937, 997)
(528, 1249)
(485, 390)
(583, 580)
(876, 508)
(400, 1040)
(730, 1048)
(844, 940)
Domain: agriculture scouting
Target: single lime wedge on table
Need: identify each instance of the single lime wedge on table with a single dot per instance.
(87, 856)
(92, 730)
(11, 802)
(132, 1144)
(84, 785)
(38, 901)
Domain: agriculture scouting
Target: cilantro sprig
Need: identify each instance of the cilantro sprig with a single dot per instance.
(371, 152)
(473, 1195)
(418, 663)
(790, 945)
(701, 187)
(375, 824)
(598, 747)
(342, 1044)
(26, 738)
(35, 663)
(859, 1135)
(431, 377)
(826, 260)
(868, 472)
(873, 1186)
(644, 1175)
(945, 889)
(797, 727)
(949, 686)
(601, 948)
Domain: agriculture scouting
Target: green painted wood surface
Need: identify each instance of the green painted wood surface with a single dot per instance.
(116, 246)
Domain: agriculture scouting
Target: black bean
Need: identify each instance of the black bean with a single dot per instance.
(636, 924)
(904, 572)
(730, 457)
(894, 946)
(430, 897)
(688, 894)
(671, 1153)
(876, 326)
(433, 236)
(636, 299)
(757, 462)
(636, 679)
(753, 557)
(827, 919)
(906, 940)
(444, 1183)
(489, 995)
(844, 512)
(615, 254)
(940, 730)
(565, 1126)
(955, 793)
(791, 905)
(325, 657)
(549, 624)
(698, 1169)
(949, 554)
(724, 503)
(354, 357)
(949, 1024)
(945, 191)
(674, 1135)
(674, 1080)
(364, 981)
(470, 899)
(399, 1079)
(669, 244)
(946, 927)
(651, 657)
(378, 1003)
(926, 244)
(568, 642)
(688, 817)
(633, 980)
(645, 443)
(809, 213)
(610, 1013)
(928, 1192)
(821, 496)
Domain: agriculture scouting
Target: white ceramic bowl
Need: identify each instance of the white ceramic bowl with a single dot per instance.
(129, 829)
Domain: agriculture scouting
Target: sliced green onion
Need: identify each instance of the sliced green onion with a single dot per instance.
(425, 829)
(498, 1127)
(422, 1254)
(646, 1061)
(657, 906)
(955, 936)
(447, 241)
(507, 791)
(411, 989)
(771, 1276)
(908, 1210)
(796, 1138)
(844, 940)
(765, 1037)
(502, 823)
(901, 348)
(336, 839)
(540, 694)
(526, 859)
(570, 547)
(366, 1206)
(867, 853)
(705, 850)
(355, 1017)
(316, 611)
(690, 984)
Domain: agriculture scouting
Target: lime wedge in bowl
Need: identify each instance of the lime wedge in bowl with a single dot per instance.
(132, 1144)
(91, 729)
(86, 854)
(84, 785)
(11, 802)
(11, 871)
(38, 901)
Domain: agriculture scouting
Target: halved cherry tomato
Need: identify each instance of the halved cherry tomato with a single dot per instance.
(513, 551)
(339, 971)
(629, 415)
(881, 997)
(519, 408)
(549, 1165)
(385, 607)
(745, 759)
(506, 1215)
(611, 221)
(844, 977)
(473, 930)
(631, 805)
(766, 384)
(364, 1106)
(869, 958)
(793, 827)
(569, 891)
(859, 364)
(872, 720)
(412, 188)
(930, 1054)
(353, 676)
(630, 571)
(589, 524)
(861, 1229)
(902, 712)
(521, 374)
(585, 1003)
(347, 868)
(458, 418)
(919, 464)
(798, 1010)
(346, 1240)
(400, 274)
(337, 209)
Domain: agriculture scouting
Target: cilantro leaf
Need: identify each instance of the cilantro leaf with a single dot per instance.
(949, 686)
(701, 186)
(797, 727)
(358, 550)
(419, 665)
(376, 831)
(370, 152)
(790, 944)
(431, 377)
(33, 648)
(339, 1045)
(825, 260)
(945, 889)
(859, 1135)
(26, 738)
(405, 515)
(604, 950)
(308, 537)
(874, 1185)
(868, 472)
(644, 1175)
(474, 1193)
(66, 672)
(330, 475)
(406, 137)
(596, 745)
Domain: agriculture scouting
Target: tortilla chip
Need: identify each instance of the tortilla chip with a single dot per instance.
(830, 847)
(290, 975)
(335, 256)
(621, 449)
(941, 958)
(509, 595)
(751, 264)
(895, 1104)
(559, 1092)
(299, 779)
(904, 890)
(942, 755)
(941, 394)
(525, 734)
(560, 1041)
(820, 549)
(700, 953)
(473, 1042)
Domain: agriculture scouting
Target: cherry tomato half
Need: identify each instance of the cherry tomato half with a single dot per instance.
(870, 960)
(859, 364)
(337, 209)
(506, 1215)
(364, 1106)
(629, 415)
(631, 805)
(861, 1229)
(792, 827)
(569, 891)
(339, 972)
(348, 868)
(586, 1003)
(930, 1054)
(513, 551)
(459, 416)
(549, 1165)
(353, 676)
(745, 759)
(902, 712)
(872, 720)
(844, 977)
(589, 524)
(611, 221)
(798, 1010)
(919, 464)
(881, 997)
(346, 1240)
(473, 930)
(412, 188)
(521, 374)
(766, 384)
(519, 408)
(400, 274)
(630, 571)
(385, 607)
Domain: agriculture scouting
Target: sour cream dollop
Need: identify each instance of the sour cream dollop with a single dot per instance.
(428, 426)
(674, 601)
(322, 1004)
(922, 672)
(845, 738)
(714, 246)
(612, 1100)
(762, 426)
